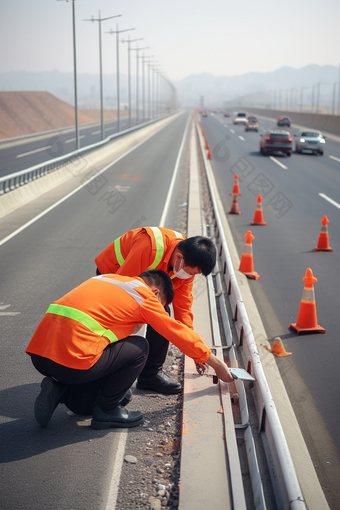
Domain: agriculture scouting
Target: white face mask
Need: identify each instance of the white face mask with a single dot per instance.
(183, 275)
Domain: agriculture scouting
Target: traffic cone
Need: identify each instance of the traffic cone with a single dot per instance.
(234, 207)
(203, 133)
(236, 186)
(278, 348)
(209, 156)
(307, 319)
(247, 263)
(258, 215)
(207, 144)
(323, 242)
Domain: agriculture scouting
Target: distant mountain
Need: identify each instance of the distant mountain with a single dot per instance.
(216, 90)
(219, 89)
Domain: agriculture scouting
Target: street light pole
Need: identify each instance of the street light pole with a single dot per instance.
(101, 66)
(301, 98)
(117, 32)
(76, 120)
(129, 41)
(333, 97)
(137, 80)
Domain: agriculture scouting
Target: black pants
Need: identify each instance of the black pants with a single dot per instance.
(106, 382)
(158, 348)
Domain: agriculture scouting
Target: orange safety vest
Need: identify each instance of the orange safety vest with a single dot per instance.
(105, 309)
(149, 248)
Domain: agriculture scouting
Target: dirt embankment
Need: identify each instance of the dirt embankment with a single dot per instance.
(25, 113)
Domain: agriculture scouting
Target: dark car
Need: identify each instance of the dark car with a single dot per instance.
(276, 141)
(252, 124)
(284, 121)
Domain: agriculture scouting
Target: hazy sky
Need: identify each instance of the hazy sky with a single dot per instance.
(185, 36)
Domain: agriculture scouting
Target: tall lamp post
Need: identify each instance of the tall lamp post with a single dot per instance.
(76, 122)
(137, 80)
(301, 97)
(333, 97)
(129, 41)
(117, 32)
(318, 94)
(101, 66)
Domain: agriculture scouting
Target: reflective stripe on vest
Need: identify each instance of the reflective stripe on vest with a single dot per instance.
(83, 318)
(129, 287)
(119, 256)
(159, 247)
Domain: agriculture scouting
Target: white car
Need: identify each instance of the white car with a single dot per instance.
(240, 118)
(308, 140)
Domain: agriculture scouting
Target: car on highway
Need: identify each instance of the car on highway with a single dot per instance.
(240, 118)
(204, 114)
(252, 124)
(284, 121)
(276, 140)
(309, 141)
(226, 114)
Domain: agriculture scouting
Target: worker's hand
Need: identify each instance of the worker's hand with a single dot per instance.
(201, 368)
(221, 369)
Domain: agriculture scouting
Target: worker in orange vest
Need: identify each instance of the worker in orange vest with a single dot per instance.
(160, 248)
(87, 348)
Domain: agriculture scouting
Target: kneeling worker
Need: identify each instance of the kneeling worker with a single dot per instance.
(148, 248)
(85, 346)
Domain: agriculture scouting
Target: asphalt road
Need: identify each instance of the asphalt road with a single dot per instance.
(18, 157)
(68, 465)
(282, 251)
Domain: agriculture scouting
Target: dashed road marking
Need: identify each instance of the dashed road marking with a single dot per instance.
(335, 158)
(73, 139)
(241, 138)
(231, 131)
(34, 151)
(330, 200)
(278, 162)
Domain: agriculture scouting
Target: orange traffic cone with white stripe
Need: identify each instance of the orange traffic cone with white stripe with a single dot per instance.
(207, 144)
(209, 155)
(236, 186)
(307, 319)
(247, 263)
(258, 215)
(278, 348)
(234, 207)
(323, 242)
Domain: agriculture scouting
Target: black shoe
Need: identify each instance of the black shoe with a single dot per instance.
(127, 398)
(118, 417)
(52, 393)
(159, 383)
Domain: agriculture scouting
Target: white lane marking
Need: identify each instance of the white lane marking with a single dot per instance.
(168, 198)
(96, 132)
(43, 213)
(117, 470)
(231, 131)
(3, 307)
(34, 151)
(241, 138)
(278, 162)
(73, 139)
(330, 200)
(335, 159)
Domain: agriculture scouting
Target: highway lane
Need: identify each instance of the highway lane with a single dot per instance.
(18, 157)
(282, 252)
(68, 465)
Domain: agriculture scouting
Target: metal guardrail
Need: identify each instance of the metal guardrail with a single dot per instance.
(285, 484)
(15, 180)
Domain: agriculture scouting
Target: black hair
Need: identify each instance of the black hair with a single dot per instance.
(162, 281)
(199, 252)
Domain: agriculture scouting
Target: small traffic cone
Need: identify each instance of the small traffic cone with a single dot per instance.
(258, 215)
(307, 319)
(236, 186)
(323, 242)
(278, 348)
(209, 155)
(234, 207)
(203, 133)
(207, 144)
(247, 263)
